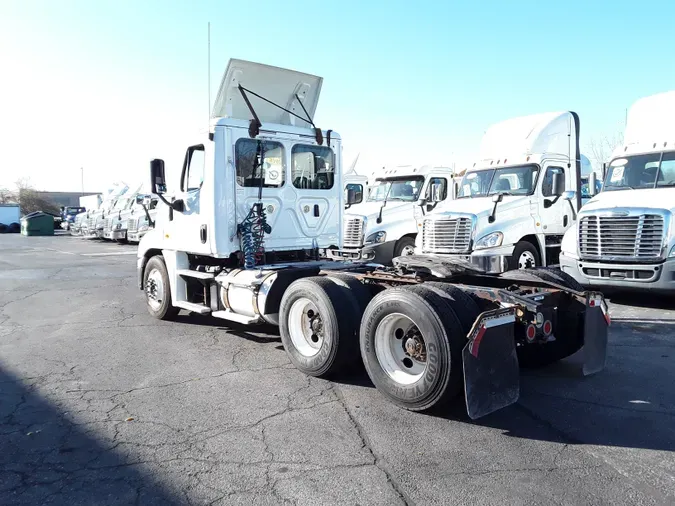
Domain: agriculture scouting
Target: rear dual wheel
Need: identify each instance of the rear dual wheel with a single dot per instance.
(411, 344)
(319, 318)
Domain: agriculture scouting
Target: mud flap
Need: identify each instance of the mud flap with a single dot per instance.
(491, 371)
(596, 324)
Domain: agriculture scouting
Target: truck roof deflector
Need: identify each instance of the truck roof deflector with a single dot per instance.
(254, 126)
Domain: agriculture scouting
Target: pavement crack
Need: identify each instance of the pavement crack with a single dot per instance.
(377, 460)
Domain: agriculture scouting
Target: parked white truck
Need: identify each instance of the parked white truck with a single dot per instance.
(383, 226)
(239, 240)
(511, 210)
(625, 236)
(142, 220)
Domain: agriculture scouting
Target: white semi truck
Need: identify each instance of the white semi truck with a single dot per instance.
(239, 239)
(511, 208)
(142, 220)
(383, 226)
(625, 235)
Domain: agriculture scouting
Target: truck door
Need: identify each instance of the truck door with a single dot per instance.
(555, 214)
(186, 230)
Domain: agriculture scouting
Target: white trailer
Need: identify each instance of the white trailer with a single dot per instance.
(514, 204)
(239, 239)
(625, 237)
(384, 225)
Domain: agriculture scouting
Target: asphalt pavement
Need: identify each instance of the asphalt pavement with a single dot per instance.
(102, 404)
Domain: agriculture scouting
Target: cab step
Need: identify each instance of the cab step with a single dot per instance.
(191, 306)
(189, 273)
(236, 317)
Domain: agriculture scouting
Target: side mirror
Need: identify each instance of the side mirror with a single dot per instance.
(455, 190)
(497, 197)
(592, 181)
(558, 186)
(436, 192)
(569, 195)
(157, 177)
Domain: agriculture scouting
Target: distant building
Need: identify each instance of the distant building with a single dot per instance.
(63, 198)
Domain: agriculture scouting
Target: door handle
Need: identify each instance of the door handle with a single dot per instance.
(202, 234)
(316, 210)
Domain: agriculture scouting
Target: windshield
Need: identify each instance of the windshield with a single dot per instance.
(518, 180)
(654, 170)
(406, 190)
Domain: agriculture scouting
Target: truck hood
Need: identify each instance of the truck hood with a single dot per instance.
(482, 205)
(661, 198)
(275, 84)
(372, 209)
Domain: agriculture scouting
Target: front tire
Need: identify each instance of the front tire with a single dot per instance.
(404, 246)
(158, 290)
(525, 256)
(411, 344)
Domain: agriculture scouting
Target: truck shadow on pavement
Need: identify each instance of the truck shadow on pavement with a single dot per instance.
(46, 458)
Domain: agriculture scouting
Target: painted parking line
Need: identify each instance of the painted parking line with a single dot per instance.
(108, 254)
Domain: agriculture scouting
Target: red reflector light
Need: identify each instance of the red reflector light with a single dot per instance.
(548, 327)
(530, 332)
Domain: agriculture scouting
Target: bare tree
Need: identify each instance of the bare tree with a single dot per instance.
(7, 196)
(30, 200)
(600, 148)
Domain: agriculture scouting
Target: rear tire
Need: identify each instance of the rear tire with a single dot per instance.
(396, 322)
(461, 302)
(158, 290)
(557, 276)
(318, 325)
(525, 256)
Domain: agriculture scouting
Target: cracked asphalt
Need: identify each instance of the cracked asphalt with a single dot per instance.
(101, 404)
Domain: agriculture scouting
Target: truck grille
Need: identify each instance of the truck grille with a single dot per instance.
(132, 225)
(91, 223)
(447, 236)
(107, 224)
(352, 233)
(634, 238)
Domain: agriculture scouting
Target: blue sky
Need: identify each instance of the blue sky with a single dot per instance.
(109, 85)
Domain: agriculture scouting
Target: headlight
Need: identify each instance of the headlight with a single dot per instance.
(377, 237)
(490, 241)
(672, 252)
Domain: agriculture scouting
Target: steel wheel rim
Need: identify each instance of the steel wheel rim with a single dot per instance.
(392, 337)
(407, 250)
(154, 289)
(526, 260)
(305, 327)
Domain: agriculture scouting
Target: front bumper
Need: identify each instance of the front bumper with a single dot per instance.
(489, 261)
(136, 236)
(653, 277)
(107, 233)
(381, 253)
(119, 235)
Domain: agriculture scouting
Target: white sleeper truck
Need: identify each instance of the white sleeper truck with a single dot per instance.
(514, 205)
(625, 235)
(239, 239)
(383, 226)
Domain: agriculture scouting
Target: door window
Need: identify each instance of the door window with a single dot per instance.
(193, 177)
(547, 184)
(444, 187)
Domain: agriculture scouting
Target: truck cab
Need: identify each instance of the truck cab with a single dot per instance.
(383, 225)
(116, 228)
(68, 214)
(513, 206)
(141, 221)
(624, 238)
